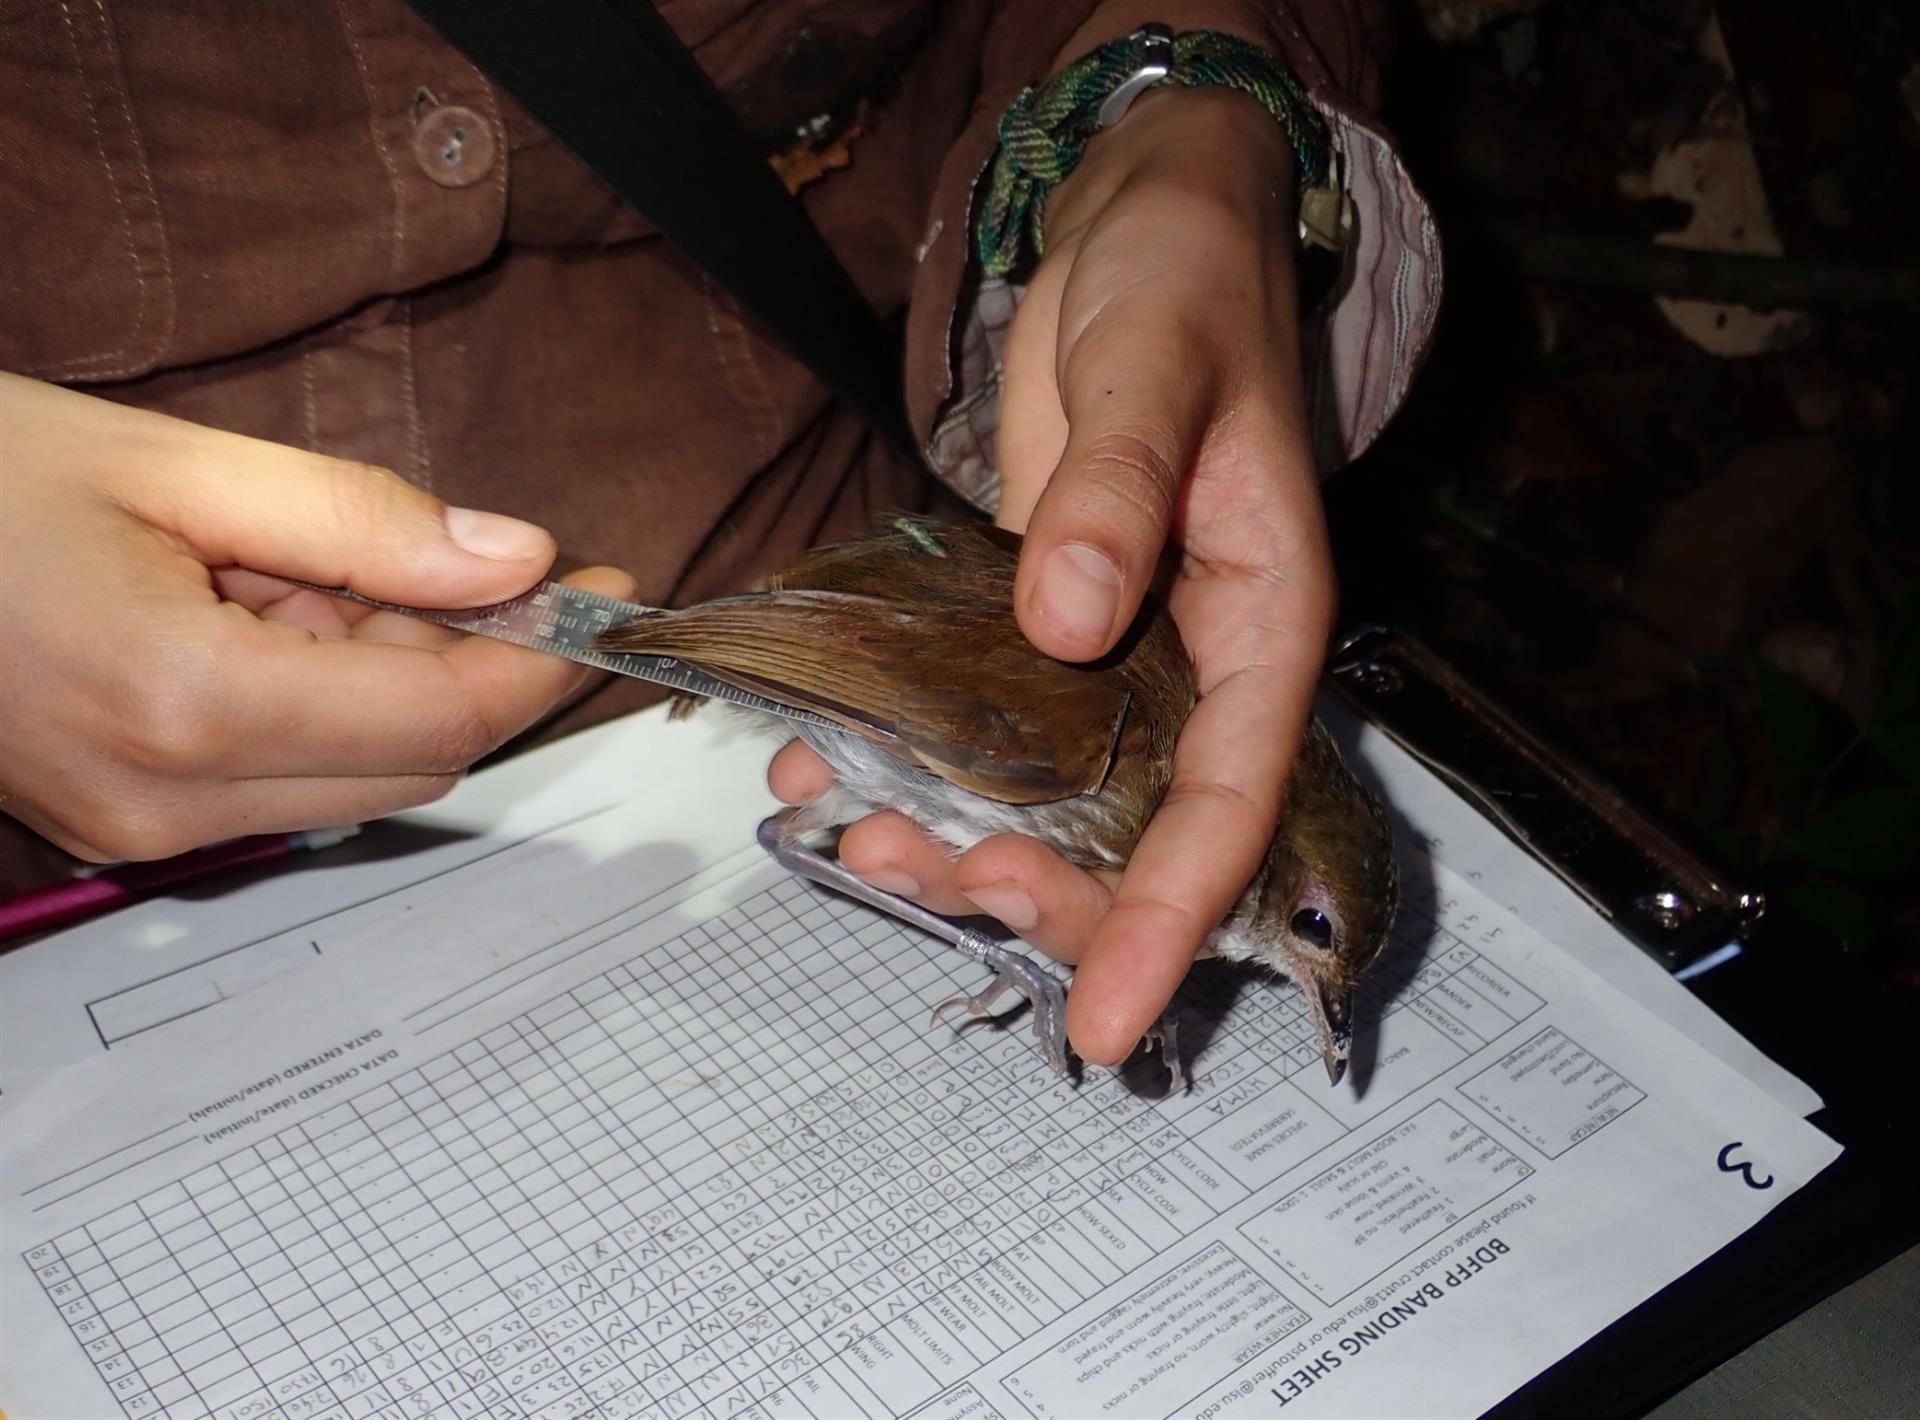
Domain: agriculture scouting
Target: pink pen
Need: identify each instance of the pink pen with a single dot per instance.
(96, 890)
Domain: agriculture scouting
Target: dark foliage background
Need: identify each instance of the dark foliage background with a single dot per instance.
(1696, 568)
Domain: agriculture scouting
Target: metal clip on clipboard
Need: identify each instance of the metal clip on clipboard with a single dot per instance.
(1629, 868)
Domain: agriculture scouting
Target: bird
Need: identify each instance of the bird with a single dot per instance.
(940, 709)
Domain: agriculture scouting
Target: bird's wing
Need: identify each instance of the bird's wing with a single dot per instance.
(913, 559)
(941, 681)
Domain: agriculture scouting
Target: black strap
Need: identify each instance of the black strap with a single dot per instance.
(611, 80)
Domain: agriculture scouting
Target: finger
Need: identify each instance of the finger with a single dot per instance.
(235, 501)
(320, 614)
(1256, 616)
(1032, 433)
(392, 629)
(260, 594)
(888, 851)
(797, 775)
(509, 688)
(276, 599)
(313, 612)
(1137, 390)
(50, 829)
(162, 827)
(329, 618)
(1194, 860)
(286, 705)
(1035, 892)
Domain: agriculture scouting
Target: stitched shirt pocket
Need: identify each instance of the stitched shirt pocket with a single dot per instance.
(187, 182)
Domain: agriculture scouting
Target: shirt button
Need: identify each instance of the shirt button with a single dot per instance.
(454, 146)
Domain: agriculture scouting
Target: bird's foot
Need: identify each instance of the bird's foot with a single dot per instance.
(779, 835)
(1014, 972)
(1164, 1036)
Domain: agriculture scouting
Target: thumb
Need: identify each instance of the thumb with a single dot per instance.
(1136, 399)
(243, 502)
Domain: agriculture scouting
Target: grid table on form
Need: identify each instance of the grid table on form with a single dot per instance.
(737, 1175)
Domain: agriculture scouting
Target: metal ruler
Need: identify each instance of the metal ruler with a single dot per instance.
(565, 621)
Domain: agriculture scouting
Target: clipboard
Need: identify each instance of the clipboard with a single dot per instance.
(1836, 1028)
(1632, 869)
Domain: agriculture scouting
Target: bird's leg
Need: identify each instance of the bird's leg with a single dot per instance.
(1011, 970)
(1164, 1035)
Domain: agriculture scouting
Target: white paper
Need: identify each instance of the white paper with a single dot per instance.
(149, 966)
(146, 968)
(619, 1120)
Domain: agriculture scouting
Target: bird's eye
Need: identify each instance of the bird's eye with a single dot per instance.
(1312, 926)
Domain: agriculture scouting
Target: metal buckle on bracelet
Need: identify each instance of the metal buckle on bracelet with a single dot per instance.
(1154, 46)
(1326, 212)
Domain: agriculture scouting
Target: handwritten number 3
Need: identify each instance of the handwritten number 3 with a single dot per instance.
(1743, 1169)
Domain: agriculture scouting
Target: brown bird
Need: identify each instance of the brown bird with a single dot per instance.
(907, 641)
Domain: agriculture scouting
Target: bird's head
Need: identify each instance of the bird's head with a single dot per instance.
(1322, 909)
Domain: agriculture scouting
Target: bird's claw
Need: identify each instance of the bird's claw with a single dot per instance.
(1013, 972)
(1164, 1035)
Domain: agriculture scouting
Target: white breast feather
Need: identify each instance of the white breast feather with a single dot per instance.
(867, 779)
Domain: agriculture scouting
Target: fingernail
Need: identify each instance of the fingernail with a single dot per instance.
(1079, 592)
(1007, 902)
(894, 881)
(494, 535)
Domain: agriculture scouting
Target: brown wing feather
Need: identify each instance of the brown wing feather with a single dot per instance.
(915, 559)
(902, 644)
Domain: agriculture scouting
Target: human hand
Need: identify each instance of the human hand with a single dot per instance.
(1153, 392)
(161, 688)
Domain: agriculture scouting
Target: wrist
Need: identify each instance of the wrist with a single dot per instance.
(1215, 147)
(1212, 145)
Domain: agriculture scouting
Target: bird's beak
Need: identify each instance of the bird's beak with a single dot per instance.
(1333, 1023)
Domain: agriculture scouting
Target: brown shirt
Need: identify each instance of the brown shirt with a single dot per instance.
(317, 223)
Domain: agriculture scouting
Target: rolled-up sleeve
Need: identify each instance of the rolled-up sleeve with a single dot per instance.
(1363, 343)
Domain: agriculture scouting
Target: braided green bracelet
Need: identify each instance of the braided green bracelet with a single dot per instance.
(1046, 129)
